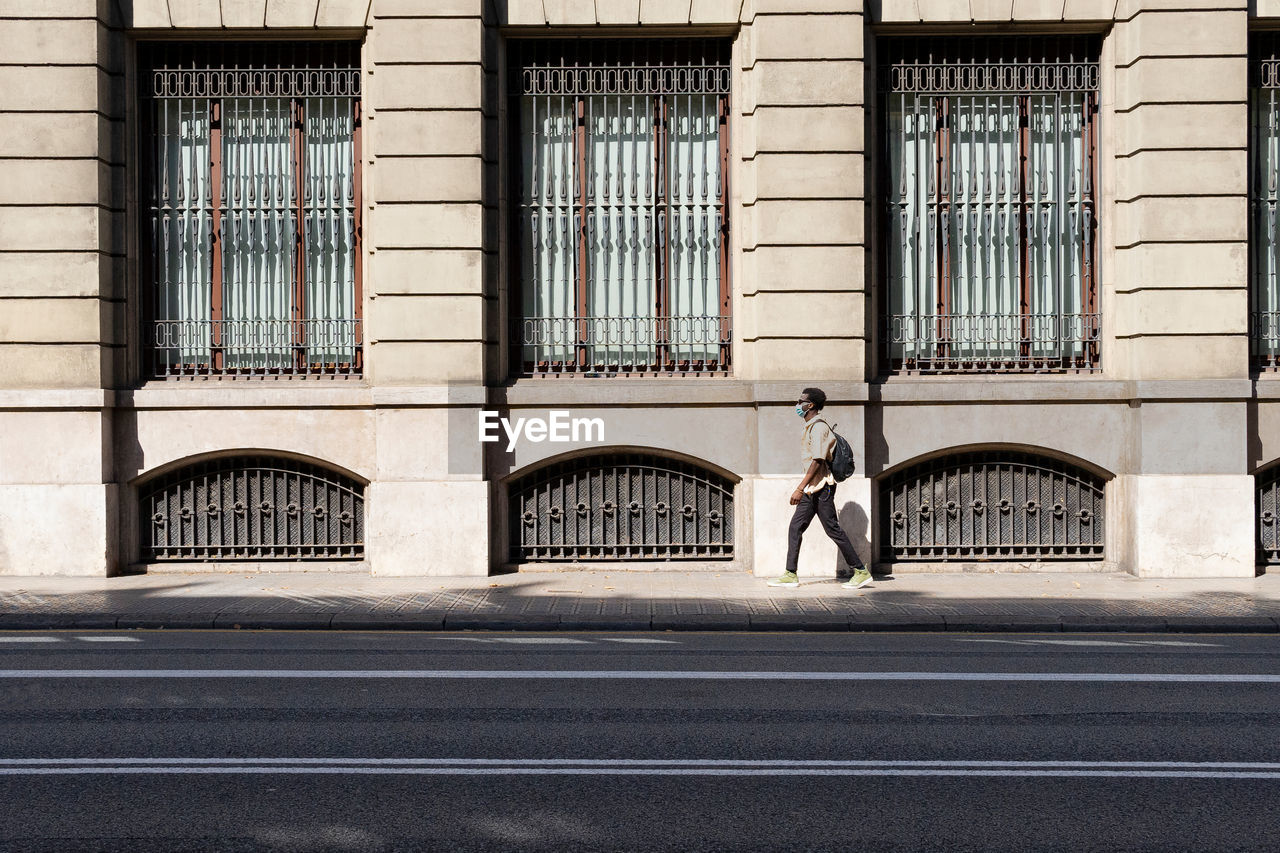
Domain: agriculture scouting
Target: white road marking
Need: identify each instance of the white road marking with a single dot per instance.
(636, 767)
(1121, 643)
(637, 640)
(652, 675)
(30, 639)
(110, 639)
(541, 641)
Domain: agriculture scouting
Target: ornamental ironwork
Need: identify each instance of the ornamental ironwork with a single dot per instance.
(252, 508)
(992, 506)
(1268, 520)
(1264, 201)
(621, 507)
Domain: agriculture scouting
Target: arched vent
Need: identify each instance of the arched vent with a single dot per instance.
(992, 506)
(621, 507)
(252, 508)
(1268, 503)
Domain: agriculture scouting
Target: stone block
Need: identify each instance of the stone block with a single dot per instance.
(1192, 526)
(195, 13)
(797, 176)
(427, 40)
(1182, 312)
(1176, 219)
(570, 13)
(38, 182)
(351, 14)
(771, 516)
(991, 10)
(427, 87)
(1179, 357)
(57, 530)
(244, 13)
(414, 444)
(52, 448)
(1266, 9)
(425, 362)
(798, 315)
(1169, 265)
(1089, 10)
(823, 359)
(437, 8)
(525, 13)
(143, 14)
(893, 11)
(618, 11)
(50, 321)
(1182, 126)
(35, 41)
(25, 229)
(427, 318)
(450, 540)
(423, 132)
(59, 274)
(291, 13)
(49, 88)
(789, 37)
(782, 268)
(1037, 10)
(1178, 172)
(1209, 33)
(799, 223)
(941, 11)
(664, 11)
(426, 271)
(831, 129)
(1182, 80)
(427, 226)
(37, 135)
(808, 83)
(44, 366)
(456, 179)
(1192, 438)
(710, 11)
(812, 7)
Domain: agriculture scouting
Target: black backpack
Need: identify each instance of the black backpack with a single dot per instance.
(841, 461)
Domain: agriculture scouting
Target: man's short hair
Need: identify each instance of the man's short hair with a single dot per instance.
(816, 396)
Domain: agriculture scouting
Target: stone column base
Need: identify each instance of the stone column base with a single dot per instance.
(438, 528)
(58, 529)
(819, 558)
(1185, 526)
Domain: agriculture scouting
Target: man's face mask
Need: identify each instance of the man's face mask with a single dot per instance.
(800, 409)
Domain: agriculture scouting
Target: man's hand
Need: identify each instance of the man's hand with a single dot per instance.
(796, 497)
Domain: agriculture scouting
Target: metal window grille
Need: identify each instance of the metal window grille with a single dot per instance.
(621, 175)
(1264, 175)
(252, 508)
(990, 216)
(252, 184)
(621, 507)
(1268, 508)
(992, 506)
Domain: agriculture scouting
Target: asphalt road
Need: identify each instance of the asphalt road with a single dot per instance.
(163, 741)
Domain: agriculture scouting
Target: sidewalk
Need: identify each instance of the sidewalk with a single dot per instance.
(631, 601)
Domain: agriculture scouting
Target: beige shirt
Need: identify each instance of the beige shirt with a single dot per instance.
(817, 442)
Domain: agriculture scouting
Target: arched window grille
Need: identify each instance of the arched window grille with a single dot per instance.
(992, 505)
(628, 506)
(252, 508)
(1268, 507)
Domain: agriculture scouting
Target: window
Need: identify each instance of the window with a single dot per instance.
(1264, 171)
(252, 508)
(621, 507)
(252, 189)
(990, 219)
(992, 505)
(621, 245)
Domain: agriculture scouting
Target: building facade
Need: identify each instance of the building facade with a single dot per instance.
(266, 264)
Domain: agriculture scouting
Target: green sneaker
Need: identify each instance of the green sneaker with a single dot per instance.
(860, 578)
(785, 579)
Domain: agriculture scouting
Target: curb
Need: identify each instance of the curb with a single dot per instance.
(813, 623)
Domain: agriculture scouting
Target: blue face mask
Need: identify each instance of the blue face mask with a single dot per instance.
(800, 410)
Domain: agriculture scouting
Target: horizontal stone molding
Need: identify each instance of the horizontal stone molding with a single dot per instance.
(245, 14)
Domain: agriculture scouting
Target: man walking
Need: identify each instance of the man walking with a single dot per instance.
(816, 494)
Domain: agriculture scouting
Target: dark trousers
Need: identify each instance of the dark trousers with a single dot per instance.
(821, 503)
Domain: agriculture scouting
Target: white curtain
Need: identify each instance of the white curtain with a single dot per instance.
(183, 226)
(549, 244)
(259, 196)
(329, 228)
